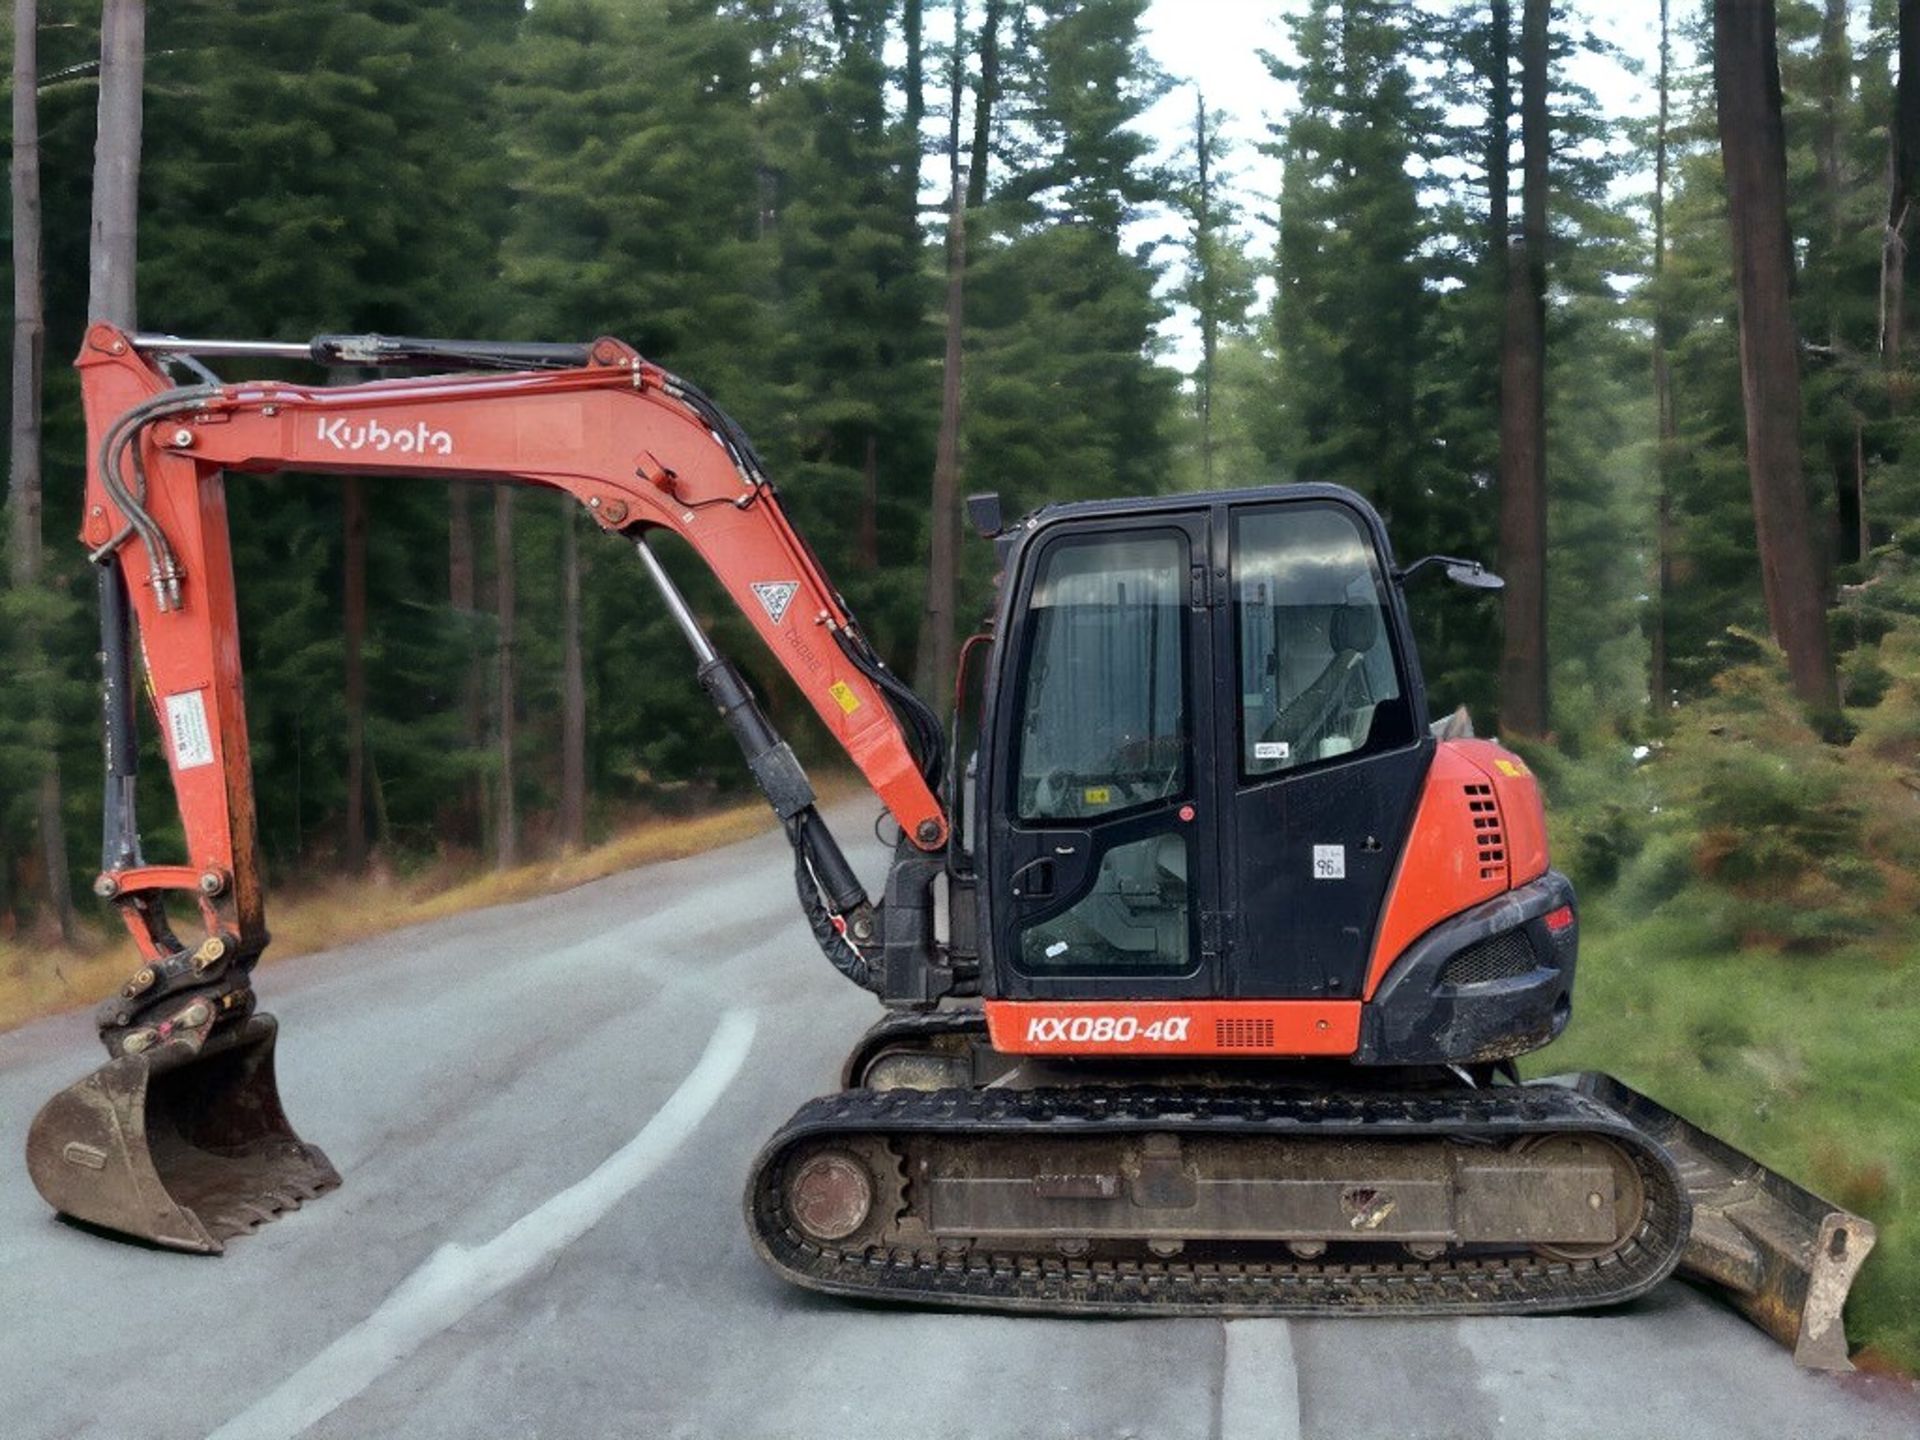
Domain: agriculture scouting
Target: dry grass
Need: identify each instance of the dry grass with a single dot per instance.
(39, 979)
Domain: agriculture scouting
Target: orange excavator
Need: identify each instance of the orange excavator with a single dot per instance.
(1203, 973)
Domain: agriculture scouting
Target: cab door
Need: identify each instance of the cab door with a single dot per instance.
(1324, 742)
(1102, 864)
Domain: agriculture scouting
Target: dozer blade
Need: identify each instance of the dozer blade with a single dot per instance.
(1785, 1256)
(182, 1146)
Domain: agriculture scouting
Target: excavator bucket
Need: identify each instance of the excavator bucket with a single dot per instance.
(184, 1146)
(1782, 1254)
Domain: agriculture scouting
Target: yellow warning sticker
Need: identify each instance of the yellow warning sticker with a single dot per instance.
(1512, 769)
(844, 697)
(1098, 795)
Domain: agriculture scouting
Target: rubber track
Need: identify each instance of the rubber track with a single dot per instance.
(999, 1278)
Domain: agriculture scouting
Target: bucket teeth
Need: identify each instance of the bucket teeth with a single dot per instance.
(183, 1144)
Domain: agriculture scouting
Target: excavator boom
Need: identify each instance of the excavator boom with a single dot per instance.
(180, 1138)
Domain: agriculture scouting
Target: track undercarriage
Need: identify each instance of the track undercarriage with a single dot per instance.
(1207, 1191)
(948, 1174)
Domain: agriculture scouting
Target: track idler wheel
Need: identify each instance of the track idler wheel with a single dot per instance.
(845, 1193)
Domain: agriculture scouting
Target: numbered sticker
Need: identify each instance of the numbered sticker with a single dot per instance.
(1329, 862)
(1272, 750)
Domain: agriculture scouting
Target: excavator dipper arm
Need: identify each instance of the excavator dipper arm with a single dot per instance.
(180, 1137)
(640, 449)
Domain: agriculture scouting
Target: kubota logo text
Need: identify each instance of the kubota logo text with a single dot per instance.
(417, 439)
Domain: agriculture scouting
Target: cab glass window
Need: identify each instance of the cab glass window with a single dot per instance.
(1134, 921)
(1103, 726)
(1318, 678)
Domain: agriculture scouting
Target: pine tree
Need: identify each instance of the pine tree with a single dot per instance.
(1063, 402)
(1523, 419)
(1353, 302)
(1217, 279)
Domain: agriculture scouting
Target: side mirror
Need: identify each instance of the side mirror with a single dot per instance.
(983, 511)
(1470, 573)
(1475, 575)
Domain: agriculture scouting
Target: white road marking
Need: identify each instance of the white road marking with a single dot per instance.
(1259, 1384)
(456, 1279)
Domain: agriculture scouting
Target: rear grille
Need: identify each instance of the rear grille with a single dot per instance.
(1500, 958)
(1488, 835)
(1243, 1034)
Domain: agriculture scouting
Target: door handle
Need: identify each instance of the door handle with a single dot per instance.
(1034, 880)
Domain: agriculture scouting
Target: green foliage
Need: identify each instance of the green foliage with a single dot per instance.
(1387, 322)
(1748, 898)
(731, 187)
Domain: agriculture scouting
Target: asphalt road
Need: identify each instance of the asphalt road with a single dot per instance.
(545, 1113)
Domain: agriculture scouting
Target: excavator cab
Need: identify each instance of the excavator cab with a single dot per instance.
(1206, 738)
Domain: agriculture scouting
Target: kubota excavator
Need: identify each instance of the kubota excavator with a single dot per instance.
(1203, 978)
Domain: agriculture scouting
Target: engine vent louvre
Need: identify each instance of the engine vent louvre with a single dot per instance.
(1488, 835)
(1499, 957)
(1243, 1034)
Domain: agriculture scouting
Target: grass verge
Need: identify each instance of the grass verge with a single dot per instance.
(44, 979)
(1809, 1067)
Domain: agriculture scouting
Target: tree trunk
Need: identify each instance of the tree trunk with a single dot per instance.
(1834, 68)
(1659, 686)
(506, 830)
(916, 84)
(937, 642)
(956, 93)
(1834, 82)
(869, 536)
(24, 489)
(1903, 186)
(573, 690)
(470, 804)
(987, 94)
(29, 315)
(1753, 149)
(1864, 539)
(1208, 308)
(353, 506)
(1499, 139)
(1523, 411)
(116, 163)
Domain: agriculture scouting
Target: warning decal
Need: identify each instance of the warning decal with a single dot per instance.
(843, 696)
(187, 728)
(774, 596)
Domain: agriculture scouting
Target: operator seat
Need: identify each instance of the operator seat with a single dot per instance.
(1333, 714)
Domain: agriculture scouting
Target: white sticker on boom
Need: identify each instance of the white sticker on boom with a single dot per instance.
(187, 727)
(1329, 862)
(1271, 750)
